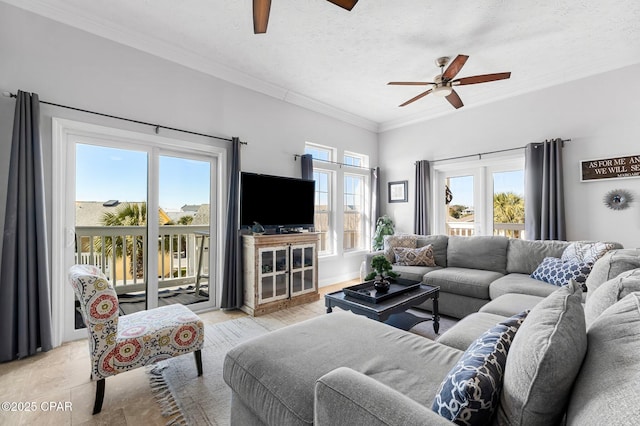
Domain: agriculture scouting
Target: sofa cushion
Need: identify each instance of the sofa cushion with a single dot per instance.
(421, 256)
(611, 265)
(524, 256)
(468, 282)
(401, 240)
(439, 243)
(415, 273)
(544, 360)
(522, 284)
(609, 293)
(478, 252)
(583, 251)
(274, 374)
(471, 391)
(510, 304)
(606, 390)
(558, 272)
(468, 329)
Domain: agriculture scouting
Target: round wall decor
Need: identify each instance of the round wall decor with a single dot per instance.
(618, 199)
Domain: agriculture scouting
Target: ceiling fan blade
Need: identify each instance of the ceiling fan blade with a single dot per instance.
(409, 83)
(481, 78)
(454, 68)
(455, 100)
(421, 95)
(345, 4)
(261, 10)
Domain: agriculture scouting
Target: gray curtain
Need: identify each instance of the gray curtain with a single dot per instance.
(232, 291)
(375, 198)
(25, 298)
(306, 164)
(421, 222)
(544, 216)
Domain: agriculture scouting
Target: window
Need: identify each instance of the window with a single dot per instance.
(351, 159)
(481, 198)
(319, 152)
(508, 203)
(341, 186)
(354, 212)
(322, 218)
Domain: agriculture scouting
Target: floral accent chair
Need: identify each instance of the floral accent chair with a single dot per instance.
(122, 343)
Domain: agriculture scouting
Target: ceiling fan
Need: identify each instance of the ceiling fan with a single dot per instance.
(261, 10)
(443, 84)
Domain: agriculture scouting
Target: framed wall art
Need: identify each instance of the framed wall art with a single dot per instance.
(398, 192)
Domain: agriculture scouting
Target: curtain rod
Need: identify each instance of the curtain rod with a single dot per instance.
(491, 152)
(295, 158)
(157, 127)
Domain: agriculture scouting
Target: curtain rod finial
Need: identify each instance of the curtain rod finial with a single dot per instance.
(7, 94)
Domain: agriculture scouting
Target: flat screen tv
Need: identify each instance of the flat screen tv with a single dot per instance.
(275, 201)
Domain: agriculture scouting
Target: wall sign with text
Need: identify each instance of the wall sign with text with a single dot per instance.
(611, 168)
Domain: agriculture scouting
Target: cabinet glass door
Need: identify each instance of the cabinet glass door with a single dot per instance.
(273, 274)
(302, 269)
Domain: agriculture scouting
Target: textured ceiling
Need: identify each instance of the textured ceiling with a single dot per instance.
(322, 57)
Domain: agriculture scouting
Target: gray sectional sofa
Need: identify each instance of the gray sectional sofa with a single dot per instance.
(344, 369)
(471, 271)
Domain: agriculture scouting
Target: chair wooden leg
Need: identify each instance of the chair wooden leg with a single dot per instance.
(97, 406)
(198, 356)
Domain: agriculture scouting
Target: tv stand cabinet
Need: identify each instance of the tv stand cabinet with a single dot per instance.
(279, 271)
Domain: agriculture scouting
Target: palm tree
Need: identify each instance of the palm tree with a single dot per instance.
(508, 207)
(127, 214)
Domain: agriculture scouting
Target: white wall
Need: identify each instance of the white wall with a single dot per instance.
(70, 67)
(599, 114)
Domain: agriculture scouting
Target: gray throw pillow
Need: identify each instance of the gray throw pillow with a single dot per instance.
(544, 360)
(609, 293)
(607, 392)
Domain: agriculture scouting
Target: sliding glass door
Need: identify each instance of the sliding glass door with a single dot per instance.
(146, 212)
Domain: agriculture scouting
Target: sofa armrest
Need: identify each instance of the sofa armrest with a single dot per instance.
(367, 260)
(346, 397)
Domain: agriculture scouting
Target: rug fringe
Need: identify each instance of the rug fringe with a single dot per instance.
(162, 394)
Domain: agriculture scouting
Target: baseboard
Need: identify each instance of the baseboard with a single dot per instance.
(338, 279)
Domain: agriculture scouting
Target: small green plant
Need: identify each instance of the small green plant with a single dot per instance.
(384, 226)
(381, 267)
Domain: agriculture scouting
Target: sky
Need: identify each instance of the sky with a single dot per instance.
(104, 173)
(462, 187)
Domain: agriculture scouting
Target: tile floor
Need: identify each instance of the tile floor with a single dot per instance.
(49, 381)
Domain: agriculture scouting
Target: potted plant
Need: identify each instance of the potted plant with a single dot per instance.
(384, 226)
(381, 271)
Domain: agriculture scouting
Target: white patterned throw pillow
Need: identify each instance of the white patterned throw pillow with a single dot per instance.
(580, 251)
(421, 256)
(470, 393)
(393, 241)
(554, 271)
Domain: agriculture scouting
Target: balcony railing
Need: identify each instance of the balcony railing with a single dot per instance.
(467, 229)
(120, 252)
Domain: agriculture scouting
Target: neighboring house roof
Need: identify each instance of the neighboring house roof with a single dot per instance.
(190, 207)
(90, 213)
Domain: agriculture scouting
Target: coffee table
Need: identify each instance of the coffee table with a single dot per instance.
(382, 310)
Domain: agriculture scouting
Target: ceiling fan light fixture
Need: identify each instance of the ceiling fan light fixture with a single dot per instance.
(442, 91)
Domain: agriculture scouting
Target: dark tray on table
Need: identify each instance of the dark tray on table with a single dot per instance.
(367, 291)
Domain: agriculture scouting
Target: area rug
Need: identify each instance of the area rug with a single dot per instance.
(187, 399)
